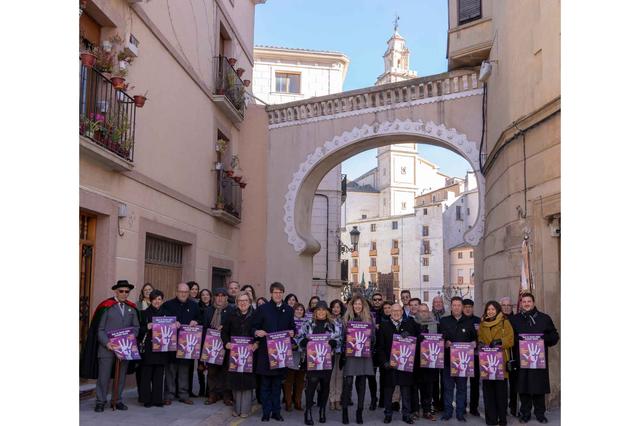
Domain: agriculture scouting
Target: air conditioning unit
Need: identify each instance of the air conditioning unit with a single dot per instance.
(131, 44)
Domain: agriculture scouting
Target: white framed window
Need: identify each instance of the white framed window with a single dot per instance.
(394, 224)
(287, 82)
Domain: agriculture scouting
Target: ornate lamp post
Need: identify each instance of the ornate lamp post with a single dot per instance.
(455, 290)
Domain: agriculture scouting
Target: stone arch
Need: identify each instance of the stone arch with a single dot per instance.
(306, 179)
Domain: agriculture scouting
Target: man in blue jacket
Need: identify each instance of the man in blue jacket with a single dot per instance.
(270, 317)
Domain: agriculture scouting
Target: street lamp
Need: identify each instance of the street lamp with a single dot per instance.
(355, 237)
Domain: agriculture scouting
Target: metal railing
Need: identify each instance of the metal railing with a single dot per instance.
(229, 83)
(229, 195)
(107, 115)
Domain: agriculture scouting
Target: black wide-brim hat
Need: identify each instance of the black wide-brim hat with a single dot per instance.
(122, 283)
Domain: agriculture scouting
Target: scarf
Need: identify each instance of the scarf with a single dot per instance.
(490, 322)
(438, 313)
(396, 324)
(531, 316)
(217, 314)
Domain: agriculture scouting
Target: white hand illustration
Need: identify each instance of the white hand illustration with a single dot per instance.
(124, 348)
(359, 343)
(320, 357)
(241, 358)
(165, 338)
(534, 355)
(432, 356)
(463, 364)
(281, 351)
(403, 356)
(214, 350)
(190, 346)
(492, 367)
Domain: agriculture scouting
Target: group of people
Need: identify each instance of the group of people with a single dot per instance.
(235, 311)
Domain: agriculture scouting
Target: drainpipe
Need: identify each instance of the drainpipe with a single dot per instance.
(326, 272)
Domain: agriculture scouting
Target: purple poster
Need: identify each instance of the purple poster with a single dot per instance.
(164, 334)
(189, 341)
(279, 349)
(212, 350)
(358, 339)
(299, 323)
(491, 363)
(432, 351)
(126, 347)
(403, 352)
(318, 352)
(308, 315)
(462, 359)
(532, 351)
(241, 355)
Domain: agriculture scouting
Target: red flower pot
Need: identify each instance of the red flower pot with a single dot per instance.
(88, 59)
(139, 100)
(240, 71)
(232, 61)
(246, 83)
(118, 82)
(238, 179)
(243, 185)
(229, 173)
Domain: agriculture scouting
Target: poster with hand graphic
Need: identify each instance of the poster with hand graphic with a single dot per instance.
(491, 363)
(164, 334)
(189, 342)
(432, 351)
(532, 354)
(279, 350)
(299, 323)
(358, 339)
(212, 349)
(318, 352)
(241, 355)
(462, 363)
(126, 346)
(403, 351)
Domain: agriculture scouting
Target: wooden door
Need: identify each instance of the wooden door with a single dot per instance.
(86, 260)
(163, 265)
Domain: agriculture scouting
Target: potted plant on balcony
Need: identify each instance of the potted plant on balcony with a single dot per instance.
(118, 79)
(124, 60)
(243, 185)
(240, 71)
(104, 60)
(229, 173)
(139, 100)
(221, 145)
(87, 57)
(220, 202)
(232, 61)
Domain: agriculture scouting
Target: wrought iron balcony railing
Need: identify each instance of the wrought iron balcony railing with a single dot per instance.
(229, 83)
(229, 197)
(107, 115)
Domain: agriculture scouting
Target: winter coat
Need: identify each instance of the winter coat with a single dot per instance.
(270, 318)
(354, 366)
(425, 375)
(536, 381)
(393, 377)
(456, 330)
(236, 324)
(148, 356)
(498, 329)
(319, 327)
(184, 313)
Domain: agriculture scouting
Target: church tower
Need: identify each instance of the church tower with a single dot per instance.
(396, 60)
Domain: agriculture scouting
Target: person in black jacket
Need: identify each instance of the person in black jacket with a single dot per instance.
(533, 384)
(455, 328)
(186, 312)
(507, 310)
(424, 377)
(153, 363)
(474, 382)
(392, 377)
(270, 317)
(214, 316)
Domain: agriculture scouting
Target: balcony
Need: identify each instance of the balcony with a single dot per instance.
(354, 269)
(373, 253)
(373, 269)
(395, 251)
(230, 89)
(471, 34)
(107, 120)
(229, 199)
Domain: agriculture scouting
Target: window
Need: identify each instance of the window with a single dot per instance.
(469, 10)
(425, 211)
(459, 255)
(460, 276)
(373, 227)
(425, 296)
(404, 205)
(425, 230)
(355, 263)
(425, 278)
(468, 211)
(426, 247)
(394, 260)
(373, 245)
(471, 276)
(287, 82)
(364, 216)
(425, 261)
(373, 261)
(394, 224)
(471, 254)
(458, 213)
(394, 244)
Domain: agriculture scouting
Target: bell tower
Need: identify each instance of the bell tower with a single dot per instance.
(396, 60)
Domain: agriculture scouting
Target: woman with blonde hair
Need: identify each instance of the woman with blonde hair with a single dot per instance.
(358, 367)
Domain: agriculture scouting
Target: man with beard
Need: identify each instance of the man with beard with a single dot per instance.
(533, 384)
(424, 377)
(507, 310)
(233, 290)
(474, 401)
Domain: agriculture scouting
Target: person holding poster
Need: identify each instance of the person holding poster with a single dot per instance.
(456, 327)
(403, 327)
(337, 310)
(474, 382)
(356, 366)
(113, 314)
(153, 363)
(238, 324)
(294, 381)
(495, 332)
(271, 317)
(177, 377)
(533, 384)
(425, 376)
(319, 357)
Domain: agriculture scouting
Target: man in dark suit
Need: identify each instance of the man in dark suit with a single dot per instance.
(270, 317)
(119, 313)
(186, 312)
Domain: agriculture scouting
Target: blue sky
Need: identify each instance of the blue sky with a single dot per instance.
(360, 29)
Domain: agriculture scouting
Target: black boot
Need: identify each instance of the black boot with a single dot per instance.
(308, 418)
(322, 415)
(374, 404)
(359, 416)
(345, 416)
